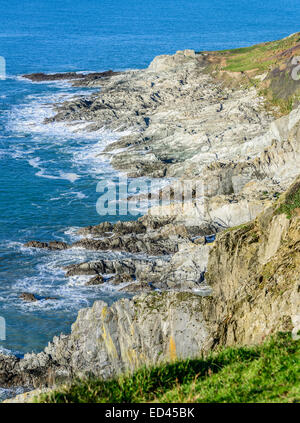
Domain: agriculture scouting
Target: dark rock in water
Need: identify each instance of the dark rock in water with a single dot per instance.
(43, 77)
(123, 228)
(138, 237)
(97, 280)
(133, 243)
(52, 245)
(57, 245)
(27, 296)
(93, 268)
(122, 278)
(36, 244)
(40, 77)
(101, 229)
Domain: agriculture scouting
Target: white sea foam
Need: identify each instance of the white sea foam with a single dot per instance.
(78, 280)
(35, 162)
(5, 351)
(72, 177)
(11, 392)
(78, 195)
(75, 195)
(72, 233)
(49, 280)
(82, 147)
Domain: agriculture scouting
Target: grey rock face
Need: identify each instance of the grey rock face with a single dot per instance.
(96, 280)
(109, 340)
(173, 112)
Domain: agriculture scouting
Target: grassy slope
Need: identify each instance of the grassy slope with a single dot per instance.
(266, 373)
(262, 57)
(290, 202)
(245, 65)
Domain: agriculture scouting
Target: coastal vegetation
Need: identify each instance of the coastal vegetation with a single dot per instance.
(266, 373)
(266, 66)
(291, 202)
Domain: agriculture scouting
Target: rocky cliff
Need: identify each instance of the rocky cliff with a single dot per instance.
(254, 274)
(109, 340)
(190, 116)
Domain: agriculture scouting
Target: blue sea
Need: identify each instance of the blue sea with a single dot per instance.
(49, 173)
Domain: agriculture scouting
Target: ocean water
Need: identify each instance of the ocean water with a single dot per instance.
(49, 173)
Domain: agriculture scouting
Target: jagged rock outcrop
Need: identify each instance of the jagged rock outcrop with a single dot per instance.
(184, 271)
(254, 272)
(175, 112)
(109, 340)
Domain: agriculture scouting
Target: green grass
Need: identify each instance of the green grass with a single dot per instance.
(285, 105)
(291, 202)
(247, 59)
(273, 58)
(259, 56)
(266, 373)
(245, 226)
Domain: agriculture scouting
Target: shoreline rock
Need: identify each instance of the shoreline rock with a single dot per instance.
(107, 340)
(69, 76)
(255, 283)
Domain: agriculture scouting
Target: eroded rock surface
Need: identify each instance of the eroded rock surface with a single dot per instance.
(176, 113)
(254, 274)
(108, 340)
(258, 266)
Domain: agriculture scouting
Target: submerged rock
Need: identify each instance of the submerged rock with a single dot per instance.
(97, 280)
(83, 77)
(52, 245)
(27, 296)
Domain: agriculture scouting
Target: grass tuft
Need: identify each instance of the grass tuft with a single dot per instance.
(291, 203)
